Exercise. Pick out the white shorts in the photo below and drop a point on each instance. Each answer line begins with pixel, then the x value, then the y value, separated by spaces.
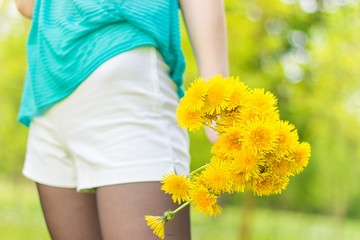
pixel 117 127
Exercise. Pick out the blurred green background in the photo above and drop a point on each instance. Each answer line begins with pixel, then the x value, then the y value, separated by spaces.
pixel 307 52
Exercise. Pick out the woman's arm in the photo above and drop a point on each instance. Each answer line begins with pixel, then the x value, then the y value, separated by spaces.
pixel 25 7
pixel 206 26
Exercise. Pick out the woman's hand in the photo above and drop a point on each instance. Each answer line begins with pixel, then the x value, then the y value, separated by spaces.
pixel 211 134
pixel 206 26
pixel 25 7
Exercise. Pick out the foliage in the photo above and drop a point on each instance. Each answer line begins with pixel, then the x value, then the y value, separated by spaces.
pixel 307 53
pixel 12 71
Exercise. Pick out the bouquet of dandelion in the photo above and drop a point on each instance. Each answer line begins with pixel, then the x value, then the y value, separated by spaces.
pixel 255 150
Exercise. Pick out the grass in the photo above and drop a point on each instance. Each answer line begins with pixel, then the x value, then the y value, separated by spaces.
pixel 20 212
pixel 274 225
pixel 21 218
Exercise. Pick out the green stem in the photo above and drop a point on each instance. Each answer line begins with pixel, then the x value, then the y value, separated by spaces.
pixel 181 207
pixel 197 170
pixel 206 124
pixel 216 130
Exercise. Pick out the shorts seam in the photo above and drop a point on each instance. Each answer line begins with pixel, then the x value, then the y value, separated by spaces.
pixel 54 182
pixel 164 119
pixel 154 71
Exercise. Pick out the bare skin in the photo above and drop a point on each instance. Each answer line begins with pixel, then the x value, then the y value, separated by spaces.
pixel 25 7
pixel 206 26
pixel 117 212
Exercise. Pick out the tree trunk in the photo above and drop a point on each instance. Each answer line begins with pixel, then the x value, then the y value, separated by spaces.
pixel 246 224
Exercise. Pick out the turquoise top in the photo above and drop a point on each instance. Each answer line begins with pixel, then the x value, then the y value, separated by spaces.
pixel 69 39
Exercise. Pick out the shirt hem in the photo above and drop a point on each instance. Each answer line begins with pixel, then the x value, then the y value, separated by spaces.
pixel 26 118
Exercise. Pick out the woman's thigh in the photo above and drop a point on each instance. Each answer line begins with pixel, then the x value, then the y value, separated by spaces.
pixel 122 209
pixel 69 214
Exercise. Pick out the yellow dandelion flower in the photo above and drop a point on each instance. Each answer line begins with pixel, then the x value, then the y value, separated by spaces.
pixel 249 114
pixel 262 101
pixel 157 223
pixel 218 95
pixel 198 181
pixel 215 160
pixel 204 201
pixel 240 93
pixel 228 119
pixel 287 138
pixel 190 120
pixel 231 140
pixel 246 162
pixel 218 151
pixel 281 167
pixel 176 185
pixel 269 158
pixel 209 118
pixel 216 210
pixel 264 184
pixel 259 136
pixel 239 182
pixel 195 95
pixel 301 157
pixel 280 184
pixel 217 177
